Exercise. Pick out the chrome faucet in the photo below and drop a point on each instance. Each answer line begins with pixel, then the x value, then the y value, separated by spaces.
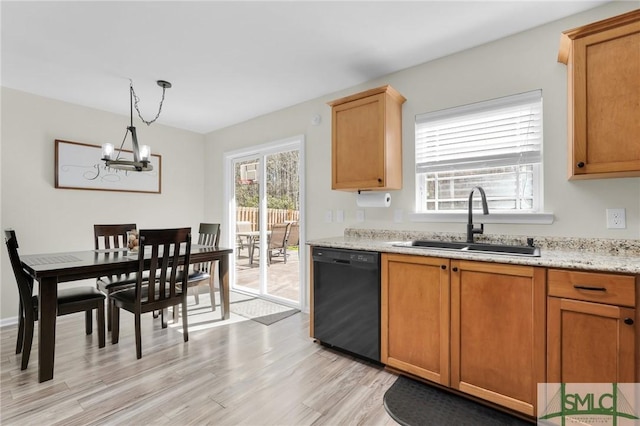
pixel 485 210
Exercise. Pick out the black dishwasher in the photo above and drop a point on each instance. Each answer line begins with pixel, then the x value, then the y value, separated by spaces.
pixel 346 300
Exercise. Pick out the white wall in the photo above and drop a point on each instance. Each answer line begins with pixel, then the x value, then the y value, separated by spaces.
pixel 515 64
pixel 47 219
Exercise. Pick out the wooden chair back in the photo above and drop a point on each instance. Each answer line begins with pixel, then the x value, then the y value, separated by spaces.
pixel 164 247
pixel 24 280
pixel 111 236
pixel 209 235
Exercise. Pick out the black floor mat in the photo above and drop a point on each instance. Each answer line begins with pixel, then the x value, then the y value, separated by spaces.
pixel 412 403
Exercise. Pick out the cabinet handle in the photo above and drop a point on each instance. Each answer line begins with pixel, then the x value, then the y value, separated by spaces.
pixel 379 180
pixel 455 269
pixel 443 266
pixel 580 164
pixel 628 321
pixel 586 287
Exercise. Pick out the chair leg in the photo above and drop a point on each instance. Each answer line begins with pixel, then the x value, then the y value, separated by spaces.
pixel 139 335
pixel 176 314
pixel 284 251
pixel 100 321
pixel 88 321
pixel 195 292
pixel 28 340
pixel 164 313
pixel 212 294
pixel 115 324
pixel 109 309
pixel 20 339
pixel 185 324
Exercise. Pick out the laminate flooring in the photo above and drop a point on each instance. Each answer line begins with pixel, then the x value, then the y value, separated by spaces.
pixel 236 372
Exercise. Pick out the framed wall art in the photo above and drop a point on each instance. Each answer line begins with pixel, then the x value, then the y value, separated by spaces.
pixel 79 166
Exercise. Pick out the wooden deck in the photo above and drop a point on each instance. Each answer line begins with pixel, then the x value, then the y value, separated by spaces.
pixel 283 278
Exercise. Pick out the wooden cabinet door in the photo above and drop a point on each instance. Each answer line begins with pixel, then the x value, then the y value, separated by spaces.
pixel 590 342
pixel 604 98
pixel 357 149
pixel 366 140
pixel 415 315
pixel 498 332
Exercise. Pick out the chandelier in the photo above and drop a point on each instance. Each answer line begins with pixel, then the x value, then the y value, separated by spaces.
pixel 141 153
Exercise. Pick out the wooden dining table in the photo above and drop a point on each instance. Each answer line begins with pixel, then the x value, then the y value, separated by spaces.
pixel 49 269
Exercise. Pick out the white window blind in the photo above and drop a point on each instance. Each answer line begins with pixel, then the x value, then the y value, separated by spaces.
pixel 494 133
pixel 495 144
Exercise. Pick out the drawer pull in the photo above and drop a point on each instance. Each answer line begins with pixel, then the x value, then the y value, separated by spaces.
pixel 586 287
pixel 628 321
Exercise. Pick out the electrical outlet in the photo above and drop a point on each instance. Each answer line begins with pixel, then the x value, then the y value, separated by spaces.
pixel 616 219
pixel 328 216
pixel 359 215
pixel 339 216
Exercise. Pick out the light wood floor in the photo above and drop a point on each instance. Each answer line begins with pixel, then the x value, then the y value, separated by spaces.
pixel 243 373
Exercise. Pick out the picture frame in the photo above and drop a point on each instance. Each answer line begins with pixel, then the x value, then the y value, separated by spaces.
pixel 79 166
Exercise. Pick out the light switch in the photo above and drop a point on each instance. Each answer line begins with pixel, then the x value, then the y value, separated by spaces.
pixel 328 216
pixel 339 216
pixel 359 215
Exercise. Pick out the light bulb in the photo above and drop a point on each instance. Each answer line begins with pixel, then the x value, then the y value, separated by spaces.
pixel 145 153
pixel 107 151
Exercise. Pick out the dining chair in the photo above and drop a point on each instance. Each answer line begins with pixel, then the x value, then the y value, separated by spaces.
pixel 113 237
pixel 70 300
pixel 203 273
pixel 165 291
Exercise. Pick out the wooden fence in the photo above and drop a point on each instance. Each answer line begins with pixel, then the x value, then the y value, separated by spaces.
pixel 250 214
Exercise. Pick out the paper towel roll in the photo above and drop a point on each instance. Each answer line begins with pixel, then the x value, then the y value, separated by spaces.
pixel 373 199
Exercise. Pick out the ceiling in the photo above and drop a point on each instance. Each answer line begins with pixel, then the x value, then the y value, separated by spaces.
pixel 232 61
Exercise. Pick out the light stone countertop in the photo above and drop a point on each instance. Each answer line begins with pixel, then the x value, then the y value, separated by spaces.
pixel 606 255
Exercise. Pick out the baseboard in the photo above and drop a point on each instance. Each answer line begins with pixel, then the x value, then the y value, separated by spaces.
pixel 8 321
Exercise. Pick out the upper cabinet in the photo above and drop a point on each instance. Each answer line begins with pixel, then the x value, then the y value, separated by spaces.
pixel 603 64
pixel 366 140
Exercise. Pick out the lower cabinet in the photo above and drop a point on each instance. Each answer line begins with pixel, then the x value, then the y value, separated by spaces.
pixel 498 332
pixel 415 315
pixel 477 327
pixel 591 336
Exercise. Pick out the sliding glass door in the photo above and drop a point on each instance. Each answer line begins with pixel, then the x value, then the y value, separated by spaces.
pixel 265 220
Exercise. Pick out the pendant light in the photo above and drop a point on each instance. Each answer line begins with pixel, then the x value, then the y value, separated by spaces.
pixel 141 153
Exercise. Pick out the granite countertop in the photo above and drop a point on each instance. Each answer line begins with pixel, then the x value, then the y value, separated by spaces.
pixel 606 255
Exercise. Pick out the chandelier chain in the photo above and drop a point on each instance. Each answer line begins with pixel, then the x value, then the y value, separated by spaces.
pixel 136 100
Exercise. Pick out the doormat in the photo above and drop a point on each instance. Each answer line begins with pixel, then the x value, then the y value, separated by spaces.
pixel 413 403
pixel 262 311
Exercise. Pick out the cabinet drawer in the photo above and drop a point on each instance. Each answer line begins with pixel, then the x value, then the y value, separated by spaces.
pixel 593 287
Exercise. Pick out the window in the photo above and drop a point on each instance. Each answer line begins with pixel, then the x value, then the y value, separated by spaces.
pixel 494 144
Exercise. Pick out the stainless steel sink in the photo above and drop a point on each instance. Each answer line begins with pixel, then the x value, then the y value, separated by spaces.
pixel 504 249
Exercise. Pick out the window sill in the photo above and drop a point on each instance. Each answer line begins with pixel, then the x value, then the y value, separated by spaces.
pixel 462 217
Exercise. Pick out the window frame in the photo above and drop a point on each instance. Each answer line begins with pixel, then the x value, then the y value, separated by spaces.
pixel 536 215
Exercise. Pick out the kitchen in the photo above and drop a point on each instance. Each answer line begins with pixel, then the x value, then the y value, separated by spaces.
pixel 515 64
